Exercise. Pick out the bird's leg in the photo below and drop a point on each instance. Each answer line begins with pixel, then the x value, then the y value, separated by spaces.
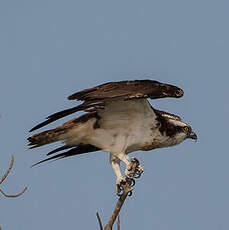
pixel 115 163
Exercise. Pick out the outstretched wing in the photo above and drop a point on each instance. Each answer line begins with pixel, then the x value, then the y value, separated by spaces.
pixel 128 90
pixel 97 97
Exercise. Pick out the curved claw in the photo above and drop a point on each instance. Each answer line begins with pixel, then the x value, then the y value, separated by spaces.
pixel 133 159
pixel 130 176
pixel 119 190
pixel 137 175
pixel 119 194
pixel 130 193
pixel 132 182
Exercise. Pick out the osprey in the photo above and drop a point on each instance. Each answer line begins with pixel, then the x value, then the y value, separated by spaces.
pixel 119 120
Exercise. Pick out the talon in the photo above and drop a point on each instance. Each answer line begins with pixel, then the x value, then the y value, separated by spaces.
pixel 140 168
pixel 130 193
pixel 132 183
pixel 139 171
pixel 137 175
pixel 119 186
pixel 120 194
pixel 133 159
pixel 119 190
pixel 129 168
pixel 128 173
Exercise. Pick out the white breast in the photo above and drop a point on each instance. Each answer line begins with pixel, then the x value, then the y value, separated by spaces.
pixel 124 125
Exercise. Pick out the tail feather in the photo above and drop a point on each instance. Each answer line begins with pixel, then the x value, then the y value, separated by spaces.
pixel 59 149
pixel 57 116
pixel 61 132
pixel 46 137
pixel 74 151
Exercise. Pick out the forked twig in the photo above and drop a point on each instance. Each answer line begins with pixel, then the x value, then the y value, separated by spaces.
pixel 5 176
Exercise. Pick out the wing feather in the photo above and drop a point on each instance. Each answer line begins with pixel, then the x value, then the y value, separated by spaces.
pixel 97 97
pixel 128 90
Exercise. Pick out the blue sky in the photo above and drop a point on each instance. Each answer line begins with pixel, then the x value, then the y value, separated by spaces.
pixel 51 49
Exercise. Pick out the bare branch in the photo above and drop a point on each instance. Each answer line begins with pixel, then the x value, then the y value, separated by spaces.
pixel 126 190
pixel 99 220
pixel 135 172
pixel 5 176
pixel 8 170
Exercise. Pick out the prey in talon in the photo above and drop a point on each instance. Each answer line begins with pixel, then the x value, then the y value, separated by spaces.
pixel 118 119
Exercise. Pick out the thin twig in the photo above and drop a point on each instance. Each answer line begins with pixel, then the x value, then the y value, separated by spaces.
pixel 126 190
pixel 5 176
pixel 8 170
pixel 99 220
pixel 118 222
pixel 14 195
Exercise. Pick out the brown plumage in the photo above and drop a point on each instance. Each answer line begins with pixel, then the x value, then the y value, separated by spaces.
pixel 60 132
pixel 128 90
pixel 95 98
pixel 44 138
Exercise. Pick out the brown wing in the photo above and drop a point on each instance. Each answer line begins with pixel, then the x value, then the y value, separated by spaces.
pixel 95 98
pixel 128 90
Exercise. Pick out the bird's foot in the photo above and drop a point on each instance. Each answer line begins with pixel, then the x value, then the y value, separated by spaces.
pixel 139 169
pixel 119 185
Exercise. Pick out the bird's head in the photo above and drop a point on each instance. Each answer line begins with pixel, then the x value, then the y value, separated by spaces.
pixel 174 128
pixel 180 131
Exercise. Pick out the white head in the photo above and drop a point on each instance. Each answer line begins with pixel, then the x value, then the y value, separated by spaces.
pixel 174 128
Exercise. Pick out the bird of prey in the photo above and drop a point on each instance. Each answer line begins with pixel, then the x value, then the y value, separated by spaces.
pixel 119 120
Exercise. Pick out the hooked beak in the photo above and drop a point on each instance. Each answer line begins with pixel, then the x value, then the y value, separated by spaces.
pixel 193 136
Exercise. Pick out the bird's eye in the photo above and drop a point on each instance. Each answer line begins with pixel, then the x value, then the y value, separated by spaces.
pixel 187 129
